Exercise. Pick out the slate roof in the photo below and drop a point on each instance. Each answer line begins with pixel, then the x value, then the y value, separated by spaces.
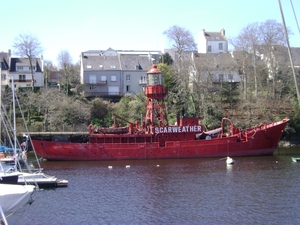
pixel 214 36
pixel 135 62
pixel 219 60
pixel 4 61
pixel 25 62
pixel 101 62
pixel 119 62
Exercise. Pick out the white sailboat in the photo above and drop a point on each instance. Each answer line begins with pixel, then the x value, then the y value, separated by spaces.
pixel 14 199
pixel 32 177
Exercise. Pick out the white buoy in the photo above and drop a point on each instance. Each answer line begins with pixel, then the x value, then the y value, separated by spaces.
pixel 110 167
pixel 127 166
pixel 157 165
pixel 229 160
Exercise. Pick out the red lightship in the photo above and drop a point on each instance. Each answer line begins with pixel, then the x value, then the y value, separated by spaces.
pixel 155 139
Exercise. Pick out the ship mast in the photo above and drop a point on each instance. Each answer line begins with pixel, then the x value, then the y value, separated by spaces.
pixel 155 93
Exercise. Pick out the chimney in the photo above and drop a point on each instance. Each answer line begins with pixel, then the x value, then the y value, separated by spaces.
pixel 223 32
pixel 203 32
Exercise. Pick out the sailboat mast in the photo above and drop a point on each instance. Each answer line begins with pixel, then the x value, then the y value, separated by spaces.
pixel 290 55
pixel 14 116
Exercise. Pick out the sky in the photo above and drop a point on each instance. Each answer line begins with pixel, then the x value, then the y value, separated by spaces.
pixel 77 26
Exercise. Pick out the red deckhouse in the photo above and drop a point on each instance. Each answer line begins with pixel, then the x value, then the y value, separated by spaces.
pixel 155 138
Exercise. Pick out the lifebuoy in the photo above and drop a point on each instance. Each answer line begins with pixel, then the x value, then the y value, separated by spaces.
pixel 208 137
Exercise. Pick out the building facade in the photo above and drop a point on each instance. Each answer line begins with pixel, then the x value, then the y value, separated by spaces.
pixel 19 70
pixel 212 42
pixel 110 74
pixel 212 60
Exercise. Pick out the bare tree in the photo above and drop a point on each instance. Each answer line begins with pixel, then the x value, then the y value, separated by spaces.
pixel 65 64
pixel 272 35
pixel 26 45
pixel 260 39
pixel 260 54
pixel 48 68
pixel 249 40
pixel 181 39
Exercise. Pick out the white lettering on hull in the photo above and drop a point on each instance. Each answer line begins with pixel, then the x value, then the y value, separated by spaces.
pixel 178 129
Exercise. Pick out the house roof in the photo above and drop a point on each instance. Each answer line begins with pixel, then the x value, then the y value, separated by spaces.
pixel 25 62
pixel 98 62
pixel 110 52
pixel 215 36
pixel 135 62
pixel 220 60
pixel 119 62
pixel 4 61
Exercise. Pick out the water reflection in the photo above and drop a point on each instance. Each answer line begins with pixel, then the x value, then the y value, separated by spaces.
pixel 254 190
pixel 229 167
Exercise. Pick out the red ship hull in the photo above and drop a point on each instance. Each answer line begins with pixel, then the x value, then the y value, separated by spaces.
pixel 257 141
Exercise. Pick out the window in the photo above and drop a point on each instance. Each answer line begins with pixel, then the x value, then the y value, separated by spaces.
pixel 89 66
pixel 127 88
pixel 22 78
pixel 92 87
pixel 221 77
pixel 103 78
pixel 113 78
pixel 19 68
pixel 93 79
pixel 209 48
pixel 154 79
pixel 220 46
pixel 127 77
pixel 113 67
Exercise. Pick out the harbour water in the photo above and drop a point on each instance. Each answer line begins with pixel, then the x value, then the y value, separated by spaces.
pixel 254 190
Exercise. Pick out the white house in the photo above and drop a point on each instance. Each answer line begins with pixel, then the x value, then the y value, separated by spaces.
pixel 212 42
pixel 19 70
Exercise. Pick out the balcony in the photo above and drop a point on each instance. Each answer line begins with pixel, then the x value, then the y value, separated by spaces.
pixel 143 82
pixel 101 94
pixel 21 81
pixel 95 84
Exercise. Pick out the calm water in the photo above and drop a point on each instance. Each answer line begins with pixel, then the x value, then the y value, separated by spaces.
pixel 255 190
